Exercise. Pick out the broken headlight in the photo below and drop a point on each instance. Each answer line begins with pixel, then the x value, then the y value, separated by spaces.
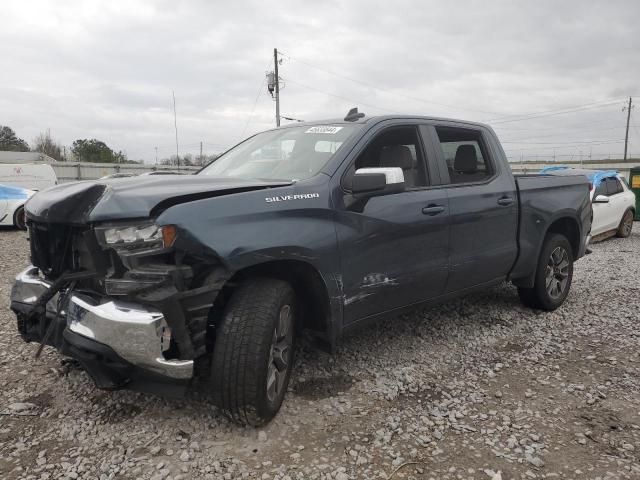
pixel 147 235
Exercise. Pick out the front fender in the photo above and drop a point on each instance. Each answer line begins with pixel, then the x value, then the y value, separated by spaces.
pixel 244 230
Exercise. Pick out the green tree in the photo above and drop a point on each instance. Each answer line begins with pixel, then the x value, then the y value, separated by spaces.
pixel 43 143
pixel 10 142
pixel 96 151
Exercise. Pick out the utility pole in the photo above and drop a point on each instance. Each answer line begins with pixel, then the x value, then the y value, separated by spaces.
pixel 626 135
pixel 175 124
pixel 277 89
pixel 201 162
pixel 156 155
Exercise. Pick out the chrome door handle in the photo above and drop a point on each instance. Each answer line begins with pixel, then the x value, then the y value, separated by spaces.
pixel 505 201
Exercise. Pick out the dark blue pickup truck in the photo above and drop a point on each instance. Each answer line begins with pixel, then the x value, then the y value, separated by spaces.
pixel 169 283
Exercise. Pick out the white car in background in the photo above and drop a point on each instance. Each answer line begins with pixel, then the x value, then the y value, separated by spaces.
pixel 12 200
pixel 32 176
pixel 613 202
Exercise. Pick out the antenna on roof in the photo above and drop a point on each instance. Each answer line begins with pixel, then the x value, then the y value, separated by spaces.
pixel 353 115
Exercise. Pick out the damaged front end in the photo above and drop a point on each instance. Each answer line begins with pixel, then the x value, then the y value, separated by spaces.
pixel 130 301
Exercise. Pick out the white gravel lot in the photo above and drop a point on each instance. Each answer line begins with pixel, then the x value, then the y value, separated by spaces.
pixel 481 388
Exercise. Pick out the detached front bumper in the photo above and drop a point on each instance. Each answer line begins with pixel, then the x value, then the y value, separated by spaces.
pixel 120 343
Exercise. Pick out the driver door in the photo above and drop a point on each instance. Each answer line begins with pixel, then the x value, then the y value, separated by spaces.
pixel 394 247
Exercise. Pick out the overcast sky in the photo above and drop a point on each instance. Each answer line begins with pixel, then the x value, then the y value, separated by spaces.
pixel 106 69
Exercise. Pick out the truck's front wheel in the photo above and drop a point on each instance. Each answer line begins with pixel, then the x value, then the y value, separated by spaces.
pixel 253 351
pixel 553 275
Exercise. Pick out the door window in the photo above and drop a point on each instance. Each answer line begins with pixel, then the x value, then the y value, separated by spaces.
pixel 395 147
pixel 613 186
pixel 609 186
pixel 465 155
pixel 601 189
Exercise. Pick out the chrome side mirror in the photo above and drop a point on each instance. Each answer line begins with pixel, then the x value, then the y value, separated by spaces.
pixel 378 181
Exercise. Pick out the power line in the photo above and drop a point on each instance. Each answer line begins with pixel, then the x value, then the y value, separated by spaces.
pixel 255 102
pixel 551 113
pixel 564 134
pixel 385 90
pixel 635 129
pixel 502 119
pixel 577 142
pixel 509 128
pixel 583 106
pixel 356 102
pixel 544 155
pixel 565 146
pixel 497 120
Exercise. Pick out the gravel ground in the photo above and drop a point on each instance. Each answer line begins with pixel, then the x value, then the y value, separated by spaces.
pixel 481 388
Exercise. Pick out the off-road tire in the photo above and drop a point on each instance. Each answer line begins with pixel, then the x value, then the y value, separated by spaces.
pixel 243 353
pixel 542 295
pixel 626 224
pixel 19 219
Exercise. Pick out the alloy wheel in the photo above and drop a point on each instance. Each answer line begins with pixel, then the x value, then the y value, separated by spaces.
pixel 627 224
pixel 280 354
pixel 557 272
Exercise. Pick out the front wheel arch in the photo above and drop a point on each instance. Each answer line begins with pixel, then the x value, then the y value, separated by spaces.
pixel 318 314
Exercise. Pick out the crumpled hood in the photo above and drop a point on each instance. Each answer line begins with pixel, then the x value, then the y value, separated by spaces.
pixel 132 197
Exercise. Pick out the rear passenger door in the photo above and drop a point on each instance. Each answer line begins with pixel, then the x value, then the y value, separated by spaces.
pixel 616 201
pixel 483 206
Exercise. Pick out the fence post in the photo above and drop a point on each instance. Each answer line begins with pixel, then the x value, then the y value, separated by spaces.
pixel 79 172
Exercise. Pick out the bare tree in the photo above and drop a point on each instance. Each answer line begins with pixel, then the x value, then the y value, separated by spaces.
pixel 43 143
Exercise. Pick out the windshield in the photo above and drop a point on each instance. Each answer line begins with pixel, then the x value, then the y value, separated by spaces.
pixel 293 153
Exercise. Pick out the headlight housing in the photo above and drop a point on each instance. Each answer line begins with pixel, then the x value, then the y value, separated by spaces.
pixel 147 235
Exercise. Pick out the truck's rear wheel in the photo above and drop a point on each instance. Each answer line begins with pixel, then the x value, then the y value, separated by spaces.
pixel 626 224
pixel 253 351
pixel 554 273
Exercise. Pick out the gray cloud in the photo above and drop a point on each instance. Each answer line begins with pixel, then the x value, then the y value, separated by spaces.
pixel 107 69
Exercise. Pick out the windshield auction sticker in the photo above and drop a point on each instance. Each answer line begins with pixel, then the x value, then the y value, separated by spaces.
pixel 323 129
